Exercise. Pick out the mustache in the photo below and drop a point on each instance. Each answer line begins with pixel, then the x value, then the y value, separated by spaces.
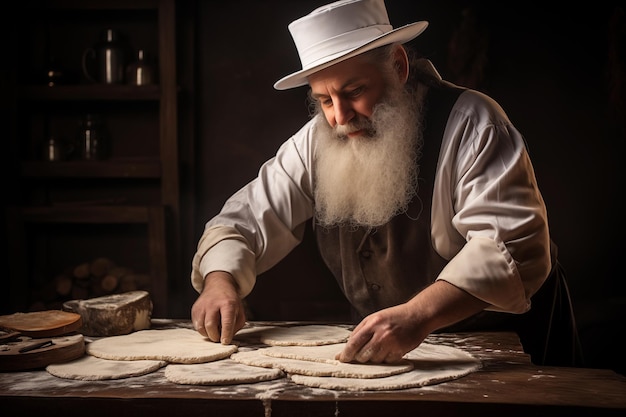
pixel 361 123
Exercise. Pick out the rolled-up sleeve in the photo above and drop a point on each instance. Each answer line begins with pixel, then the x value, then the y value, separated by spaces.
pixel 489 218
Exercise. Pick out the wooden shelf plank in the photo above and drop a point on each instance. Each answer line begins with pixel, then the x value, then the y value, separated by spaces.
pixel 87 214
pixel 94 4
pixel 87 92
pixel 115 168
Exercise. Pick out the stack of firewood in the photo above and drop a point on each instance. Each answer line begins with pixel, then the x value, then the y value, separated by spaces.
pixel 96 278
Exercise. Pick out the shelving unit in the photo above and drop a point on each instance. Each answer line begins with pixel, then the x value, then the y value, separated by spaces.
pixel 125 207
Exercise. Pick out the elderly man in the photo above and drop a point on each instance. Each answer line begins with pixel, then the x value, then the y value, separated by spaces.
pixel 422 196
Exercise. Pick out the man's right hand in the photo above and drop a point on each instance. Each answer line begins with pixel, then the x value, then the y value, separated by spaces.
pixel 218 313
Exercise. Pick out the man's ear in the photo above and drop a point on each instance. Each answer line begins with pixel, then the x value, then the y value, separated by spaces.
pixel 401 63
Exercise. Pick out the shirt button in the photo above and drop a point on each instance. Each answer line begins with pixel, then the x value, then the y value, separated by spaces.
pixel 366 254
pixel 375 287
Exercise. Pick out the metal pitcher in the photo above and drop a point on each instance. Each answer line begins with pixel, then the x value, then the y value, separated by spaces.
pixel 105 61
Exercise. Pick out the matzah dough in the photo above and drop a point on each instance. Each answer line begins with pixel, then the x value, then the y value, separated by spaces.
pixel 90 368
pixel 305 367
pixel 223 372
pixel 305 335
pixel 171 345
pixel 251 334
pixel 432 364
pixel 322 353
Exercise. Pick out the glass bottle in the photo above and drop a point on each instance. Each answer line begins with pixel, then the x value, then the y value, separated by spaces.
pixel 93 140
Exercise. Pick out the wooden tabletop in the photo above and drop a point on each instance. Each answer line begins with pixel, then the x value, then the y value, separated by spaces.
pixel 507 382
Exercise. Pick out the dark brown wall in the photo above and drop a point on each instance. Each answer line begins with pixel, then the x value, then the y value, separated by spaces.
pixel 550 71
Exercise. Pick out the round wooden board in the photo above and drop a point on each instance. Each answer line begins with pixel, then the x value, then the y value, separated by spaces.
pixel 42 323
pixel 62 349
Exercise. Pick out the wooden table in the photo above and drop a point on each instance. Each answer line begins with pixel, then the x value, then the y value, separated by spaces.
pixel 507 383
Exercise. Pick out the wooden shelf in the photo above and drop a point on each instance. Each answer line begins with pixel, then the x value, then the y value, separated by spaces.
pixel 119 205
pixel 95 92
pixel 104 214
pixel 93 4
pixel 120 168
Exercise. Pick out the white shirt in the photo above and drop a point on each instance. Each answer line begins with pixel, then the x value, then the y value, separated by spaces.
pixel 488 216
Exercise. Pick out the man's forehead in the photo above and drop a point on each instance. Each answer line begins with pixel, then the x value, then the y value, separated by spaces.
pixel 341 75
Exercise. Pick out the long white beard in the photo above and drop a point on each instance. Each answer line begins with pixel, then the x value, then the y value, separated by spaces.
pixel 366 180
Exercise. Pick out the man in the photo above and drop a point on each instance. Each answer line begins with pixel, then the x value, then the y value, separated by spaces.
pixel 422 196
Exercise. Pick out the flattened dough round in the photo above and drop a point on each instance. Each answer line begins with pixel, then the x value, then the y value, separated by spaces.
pixel 90 368
pixel 223 372
pixel 171 345
pixel 305 367
pixel 305 335
pixel 252 334
pixel 433 364
pixel 322 353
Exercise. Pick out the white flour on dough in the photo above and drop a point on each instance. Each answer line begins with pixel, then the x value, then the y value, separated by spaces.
pixel 90 368
pixel 322 353
pixel 306 367
pixel 433 364
pixel 223 372
pixel 252 334
pixel 305 335
pixel 171 345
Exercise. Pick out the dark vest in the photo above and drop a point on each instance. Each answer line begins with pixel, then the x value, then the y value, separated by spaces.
pixel 388 265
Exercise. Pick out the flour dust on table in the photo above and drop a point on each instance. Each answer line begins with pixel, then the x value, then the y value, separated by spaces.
pixel 222 372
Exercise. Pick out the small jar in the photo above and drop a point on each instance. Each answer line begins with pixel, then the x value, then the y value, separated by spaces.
pixel 140 72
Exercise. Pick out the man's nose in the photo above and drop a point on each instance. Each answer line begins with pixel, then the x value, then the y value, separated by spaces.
pixel 343 112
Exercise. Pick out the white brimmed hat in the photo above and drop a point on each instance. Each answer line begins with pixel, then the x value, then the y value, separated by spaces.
pixel 342 30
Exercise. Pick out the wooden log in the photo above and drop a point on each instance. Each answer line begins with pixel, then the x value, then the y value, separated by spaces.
pixel 63 285
pixel 109 283
pixel 99 267
pixel 82 271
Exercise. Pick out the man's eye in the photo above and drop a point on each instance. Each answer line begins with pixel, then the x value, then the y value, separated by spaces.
pixel 356 92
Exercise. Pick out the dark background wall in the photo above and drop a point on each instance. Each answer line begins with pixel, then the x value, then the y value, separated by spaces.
pixel 558 72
